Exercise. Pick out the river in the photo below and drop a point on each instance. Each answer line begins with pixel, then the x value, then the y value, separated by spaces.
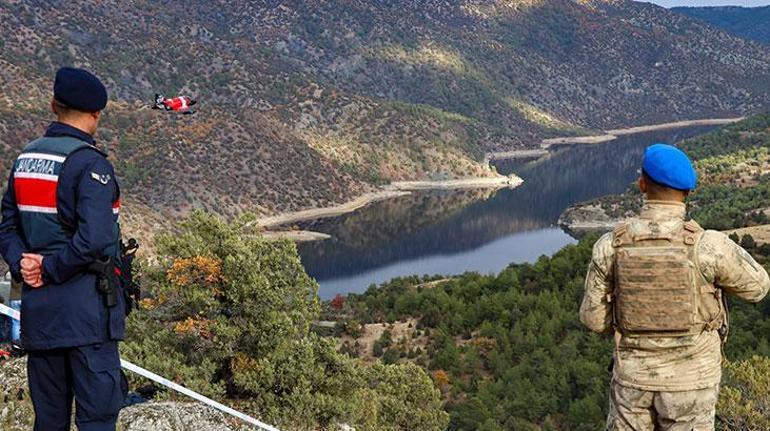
pixel 451 232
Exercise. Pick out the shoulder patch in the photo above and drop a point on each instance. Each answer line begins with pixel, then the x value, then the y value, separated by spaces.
pixel 743 254
pixel 102 178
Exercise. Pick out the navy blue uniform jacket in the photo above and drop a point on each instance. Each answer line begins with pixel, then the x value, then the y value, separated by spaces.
pixel 68 311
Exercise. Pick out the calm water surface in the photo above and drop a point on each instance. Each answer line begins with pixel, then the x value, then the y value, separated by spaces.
pixel 451 232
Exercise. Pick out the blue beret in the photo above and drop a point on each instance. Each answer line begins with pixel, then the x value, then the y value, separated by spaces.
pixel 669 166
pixel 79 89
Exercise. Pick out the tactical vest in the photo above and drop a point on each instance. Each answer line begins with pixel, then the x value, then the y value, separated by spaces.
pixel 35 184
pixel 659 291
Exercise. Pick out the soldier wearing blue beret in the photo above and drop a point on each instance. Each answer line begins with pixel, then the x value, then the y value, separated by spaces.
pixel 668 166
pixel 659 283
pixel 60 235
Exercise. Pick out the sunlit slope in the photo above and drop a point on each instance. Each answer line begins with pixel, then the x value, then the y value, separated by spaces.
pixel 305 104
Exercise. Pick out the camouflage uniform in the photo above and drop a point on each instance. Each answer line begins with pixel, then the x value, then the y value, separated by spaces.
pixel 669 383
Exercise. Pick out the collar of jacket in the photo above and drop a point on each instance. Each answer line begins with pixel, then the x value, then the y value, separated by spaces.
pixel 663 210
pixel 57 129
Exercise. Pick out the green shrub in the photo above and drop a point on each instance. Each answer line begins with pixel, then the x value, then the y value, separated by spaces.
pixel 744 402
pixel 228 314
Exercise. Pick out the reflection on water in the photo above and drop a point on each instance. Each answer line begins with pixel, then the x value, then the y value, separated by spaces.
pixel 450 232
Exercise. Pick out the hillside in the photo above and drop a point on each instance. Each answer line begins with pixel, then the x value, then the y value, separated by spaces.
pixel 304 104
pixel 228 314
pixel 733 165
pixel 509 352
pixel 748 23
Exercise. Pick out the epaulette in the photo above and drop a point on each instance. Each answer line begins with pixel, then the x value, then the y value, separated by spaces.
pixel 618 233
pixel 692 226
pixel 692 230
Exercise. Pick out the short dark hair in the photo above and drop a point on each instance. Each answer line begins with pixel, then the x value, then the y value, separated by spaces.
pixel 656 188
pixel 65 109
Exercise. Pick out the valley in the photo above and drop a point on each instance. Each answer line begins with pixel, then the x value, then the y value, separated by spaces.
pixel 380 215
pixel 305 106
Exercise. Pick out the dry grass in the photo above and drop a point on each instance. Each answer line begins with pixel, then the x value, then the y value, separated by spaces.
pixel 761 233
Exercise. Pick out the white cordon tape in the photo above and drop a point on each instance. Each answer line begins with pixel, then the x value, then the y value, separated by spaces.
pixel 10 312
pixel 181 389
pixel 13 314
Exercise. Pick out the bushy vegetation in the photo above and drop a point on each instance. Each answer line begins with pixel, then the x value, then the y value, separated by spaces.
pixel 726 207
pixel 744 403
pixel 512 354
pixel 746 134
pixel 508 350
pixel 510 347
pixel 229 314
pixel 733 165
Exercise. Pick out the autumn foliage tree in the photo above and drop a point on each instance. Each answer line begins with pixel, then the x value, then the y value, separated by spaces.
pixel 338 302
pixel 229 314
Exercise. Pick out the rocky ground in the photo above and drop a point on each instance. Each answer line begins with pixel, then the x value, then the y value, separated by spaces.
pixel 16 412
pixel 580 220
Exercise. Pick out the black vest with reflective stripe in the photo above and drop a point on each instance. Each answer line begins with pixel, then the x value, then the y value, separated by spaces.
pixel 35 183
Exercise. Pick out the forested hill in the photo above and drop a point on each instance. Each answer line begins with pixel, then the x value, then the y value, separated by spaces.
pixel 509 353
pixel 748 23
pixel 508 350
pixel 306 103
pixel 733 165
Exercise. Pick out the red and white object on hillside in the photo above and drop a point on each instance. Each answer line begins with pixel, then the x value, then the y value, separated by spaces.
pixel 176 104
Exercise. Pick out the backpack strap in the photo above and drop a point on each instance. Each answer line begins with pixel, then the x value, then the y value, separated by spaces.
pixel 721 322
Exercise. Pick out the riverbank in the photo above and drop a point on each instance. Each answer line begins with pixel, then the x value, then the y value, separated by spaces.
pixel 332 211
pixel 570 140
pixel 582 219
pixel 295 235
pixel 609 135
pixel 401 188
pixel 500 181
pixel 393 190
pixel 675 125
pixel 515 154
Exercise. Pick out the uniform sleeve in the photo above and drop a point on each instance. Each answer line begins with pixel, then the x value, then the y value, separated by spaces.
pixel 12 245
pixel 595 310
pixel 731 267
pixel 94 224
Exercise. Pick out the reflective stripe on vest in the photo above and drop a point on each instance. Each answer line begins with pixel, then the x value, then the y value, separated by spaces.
pixel 35 183
pixel 35 179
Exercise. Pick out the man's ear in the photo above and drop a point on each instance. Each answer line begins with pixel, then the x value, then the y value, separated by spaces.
pixel 642 184
pixel 96 115
pixel 53 107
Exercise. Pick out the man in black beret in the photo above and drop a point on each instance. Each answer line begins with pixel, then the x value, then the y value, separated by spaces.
pixel 59 235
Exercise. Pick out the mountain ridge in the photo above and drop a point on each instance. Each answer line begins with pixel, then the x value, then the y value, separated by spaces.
pixel 304 105
pixel 751 23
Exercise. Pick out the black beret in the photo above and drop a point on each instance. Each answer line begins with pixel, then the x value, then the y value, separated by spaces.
pixel 79 89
